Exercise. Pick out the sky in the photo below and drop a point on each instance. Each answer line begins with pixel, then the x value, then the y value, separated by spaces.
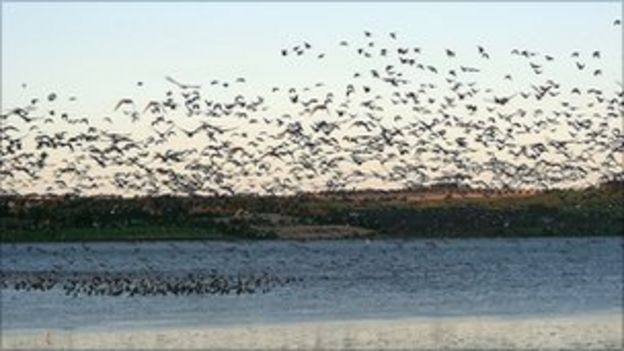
pixel 98 51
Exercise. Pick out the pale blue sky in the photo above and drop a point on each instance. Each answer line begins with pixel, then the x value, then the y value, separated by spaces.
pixel 99 50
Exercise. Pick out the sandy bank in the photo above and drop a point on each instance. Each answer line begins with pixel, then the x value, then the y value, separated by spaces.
pixel 307 232
pixel 578 332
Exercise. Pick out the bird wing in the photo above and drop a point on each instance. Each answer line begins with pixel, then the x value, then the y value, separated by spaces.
pixel 123 102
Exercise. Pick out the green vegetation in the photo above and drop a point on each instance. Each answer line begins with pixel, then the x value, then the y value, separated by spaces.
pixel 133 232
pixel 114 218
pixel 597 211
pixel 423 213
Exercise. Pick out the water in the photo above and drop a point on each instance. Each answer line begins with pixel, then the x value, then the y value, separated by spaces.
pixel 340 280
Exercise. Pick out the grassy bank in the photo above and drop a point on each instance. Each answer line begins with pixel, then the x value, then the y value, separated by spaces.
pixel 596 211
pixel 133 233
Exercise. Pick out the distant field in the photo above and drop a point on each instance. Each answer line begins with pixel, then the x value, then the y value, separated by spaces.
pixel 433 213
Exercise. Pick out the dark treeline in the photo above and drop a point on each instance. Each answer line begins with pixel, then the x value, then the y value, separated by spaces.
pixel 592 211
pixel 477 221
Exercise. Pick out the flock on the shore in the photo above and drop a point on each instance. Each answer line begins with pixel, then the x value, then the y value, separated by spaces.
pixel 148 283
pixel 408 120
pixel 79 271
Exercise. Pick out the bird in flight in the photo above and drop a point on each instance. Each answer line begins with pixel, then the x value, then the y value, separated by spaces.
pixel 122 102
pixel 181 85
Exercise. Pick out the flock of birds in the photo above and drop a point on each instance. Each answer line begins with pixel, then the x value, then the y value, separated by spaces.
pixel 405 121
pixel 150 283
pixel 83 270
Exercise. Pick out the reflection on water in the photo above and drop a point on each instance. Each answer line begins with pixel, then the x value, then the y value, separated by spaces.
pixel 335 280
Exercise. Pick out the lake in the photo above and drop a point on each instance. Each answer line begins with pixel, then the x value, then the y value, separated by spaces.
pixel 335 280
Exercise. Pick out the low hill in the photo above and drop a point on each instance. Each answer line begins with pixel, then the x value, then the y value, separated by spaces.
pixel 442 211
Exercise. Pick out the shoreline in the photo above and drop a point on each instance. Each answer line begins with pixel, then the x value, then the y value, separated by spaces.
pixel 371 238
pixel 400 214
pixel 584 331
pixel 322 236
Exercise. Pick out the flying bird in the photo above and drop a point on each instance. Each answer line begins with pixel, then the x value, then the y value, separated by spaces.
pixel 181 85
pixel 124 102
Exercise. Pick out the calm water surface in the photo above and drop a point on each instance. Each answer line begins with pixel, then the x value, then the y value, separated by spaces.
pixel 340 280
